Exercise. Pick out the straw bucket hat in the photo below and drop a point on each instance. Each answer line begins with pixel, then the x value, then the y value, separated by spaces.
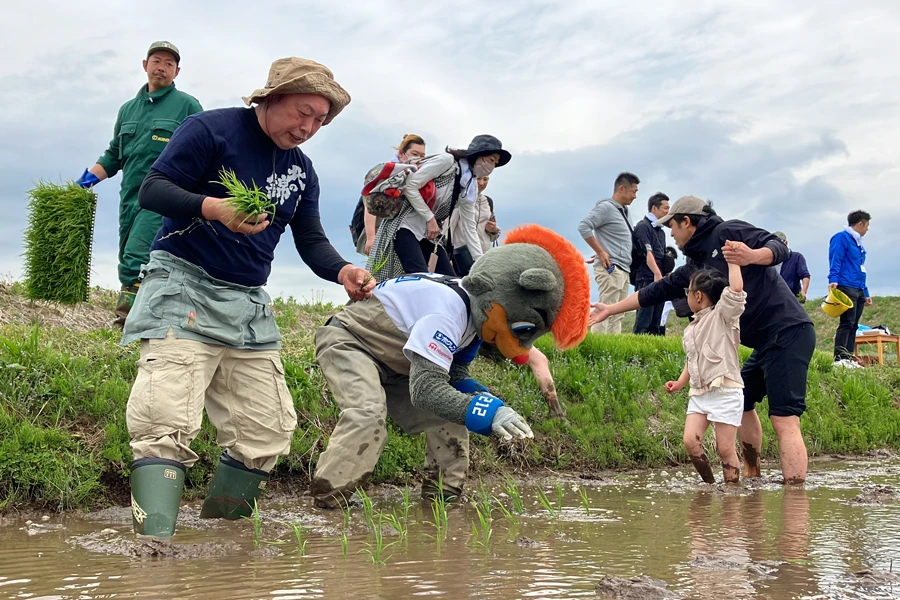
pixel 302 76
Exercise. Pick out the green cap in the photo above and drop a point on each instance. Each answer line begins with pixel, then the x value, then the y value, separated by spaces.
pixel 780 235
pixel 167 46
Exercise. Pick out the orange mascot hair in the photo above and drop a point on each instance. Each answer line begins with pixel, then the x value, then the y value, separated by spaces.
pixel 571 323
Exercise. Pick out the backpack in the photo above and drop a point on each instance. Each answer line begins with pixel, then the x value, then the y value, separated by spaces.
pixel 669 257
pixel 357 222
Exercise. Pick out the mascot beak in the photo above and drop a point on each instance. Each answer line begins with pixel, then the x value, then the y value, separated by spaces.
pixel 521 359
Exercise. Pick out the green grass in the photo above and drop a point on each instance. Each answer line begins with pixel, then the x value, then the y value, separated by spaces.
pixel 64 440
pixel 884 311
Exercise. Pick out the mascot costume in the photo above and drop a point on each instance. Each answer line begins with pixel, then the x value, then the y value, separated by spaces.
pixel 405 352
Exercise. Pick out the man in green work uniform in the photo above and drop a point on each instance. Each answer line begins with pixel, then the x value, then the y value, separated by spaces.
pixel 143 128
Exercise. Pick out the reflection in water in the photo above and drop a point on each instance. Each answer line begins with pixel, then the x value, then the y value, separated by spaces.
pixel 706 542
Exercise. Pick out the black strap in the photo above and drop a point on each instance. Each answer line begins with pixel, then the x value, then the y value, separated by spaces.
pixel 457 188
pixel 624 216
pixel 453 284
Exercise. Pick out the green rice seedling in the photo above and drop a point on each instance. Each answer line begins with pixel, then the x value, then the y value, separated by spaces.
pixel 483 534
pixel 252 202
pixel 515 496
pixel 394 521
pixel 585 500
pixel 508 514
pixel 58 242
pixel 406 504
pixel 368 509
pixel 344 543
pixel 378 267
pixel 257 523
pixel 376 550
pixel 297 528
pixel 483 498
pixel 546 503
pixel 345 512
pixel 439 509
pixel 560 493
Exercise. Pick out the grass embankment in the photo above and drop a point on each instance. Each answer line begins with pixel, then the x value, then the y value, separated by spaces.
pixel 64 442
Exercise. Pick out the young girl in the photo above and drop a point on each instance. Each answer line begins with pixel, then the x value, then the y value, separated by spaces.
pixel 713 368
pixel 404 243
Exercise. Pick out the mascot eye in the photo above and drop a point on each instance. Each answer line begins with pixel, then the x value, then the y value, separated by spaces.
pixel 523 327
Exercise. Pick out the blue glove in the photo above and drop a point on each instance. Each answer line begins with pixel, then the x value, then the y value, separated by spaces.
pixel 469 386
pixel 480 413
pixel 88 180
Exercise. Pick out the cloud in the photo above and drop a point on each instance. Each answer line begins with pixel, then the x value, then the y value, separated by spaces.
pixel 740 103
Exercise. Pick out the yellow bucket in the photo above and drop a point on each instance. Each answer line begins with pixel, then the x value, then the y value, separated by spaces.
pixel 837 303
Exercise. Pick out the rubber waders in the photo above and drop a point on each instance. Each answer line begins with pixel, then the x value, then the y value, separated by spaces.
pixel 156 486
pixel 233 490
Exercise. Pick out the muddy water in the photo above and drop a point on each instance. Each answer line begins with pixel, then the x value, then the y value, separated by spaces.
pixel 834 539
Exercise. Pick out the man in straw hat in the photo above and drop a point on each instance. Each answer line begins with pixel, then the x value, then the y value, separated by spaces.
pixel 144 126
pixel 773 324
pixel 208 336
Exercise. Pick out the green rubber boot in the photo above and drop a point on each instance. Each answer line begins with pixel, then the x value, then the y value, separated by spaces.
pixel 156 486
pixel 233 490
pixel 123 305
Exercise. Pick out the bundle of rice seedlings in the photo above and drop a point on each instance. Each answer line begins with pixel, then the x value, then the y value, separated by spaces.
pixel 253 202
pixel 58 242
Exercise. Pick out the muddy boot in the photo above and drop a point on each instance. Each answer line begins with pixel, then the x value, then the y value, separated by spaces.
pixel 124 304
pixel 233 490
pixel 156 486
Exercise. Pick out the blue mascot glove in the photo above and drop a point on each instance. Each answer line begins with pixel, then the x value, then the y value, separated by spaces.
pixel 488 415
pixel 88 180
pixel 469 386
pixel 480 413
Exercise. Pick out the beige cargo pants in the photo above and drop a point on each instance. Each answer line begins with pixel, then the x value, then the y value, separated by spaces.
pixel 613 287
pixel 360 353
pixel 243 391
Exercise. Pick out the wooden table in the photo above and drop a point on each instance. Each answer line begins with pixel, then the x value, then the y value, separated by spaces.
pixel 880 339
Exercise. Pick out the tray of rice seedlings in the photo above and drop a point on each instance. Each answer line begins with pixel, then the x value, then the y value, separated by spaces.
pixel 58 242
pixel 252 202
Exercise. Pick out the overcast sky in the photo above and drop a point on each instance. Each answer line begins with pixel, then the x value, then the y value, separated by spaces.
pixel 779 113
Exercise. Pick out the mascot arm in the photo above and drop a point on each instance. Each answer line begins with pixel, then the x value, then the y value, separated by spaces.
pixel 481 413
pixel 430 389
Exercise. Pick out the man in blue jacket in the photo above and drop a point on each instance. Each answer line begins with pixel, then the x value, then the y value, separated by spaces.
pixel 847 273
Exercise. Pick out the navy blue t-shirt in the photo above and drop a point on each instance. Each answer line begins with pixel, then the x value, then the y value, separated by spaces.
pixel 232 138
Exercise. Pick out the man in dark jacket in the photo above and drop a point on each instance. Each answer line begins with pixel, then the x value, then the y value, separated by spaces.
pixel 794 270
pixel 652 239
pixel 774 324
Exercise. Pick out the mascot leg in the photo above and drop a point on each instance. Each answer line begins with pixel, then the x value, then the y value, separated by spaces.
pixel 446 456
pixel 360 434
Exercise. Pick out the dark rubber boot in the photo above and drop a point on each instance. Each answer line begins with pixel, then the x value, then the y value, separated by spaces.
pixel 156 486
pixel 124 304
pixel 233 490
